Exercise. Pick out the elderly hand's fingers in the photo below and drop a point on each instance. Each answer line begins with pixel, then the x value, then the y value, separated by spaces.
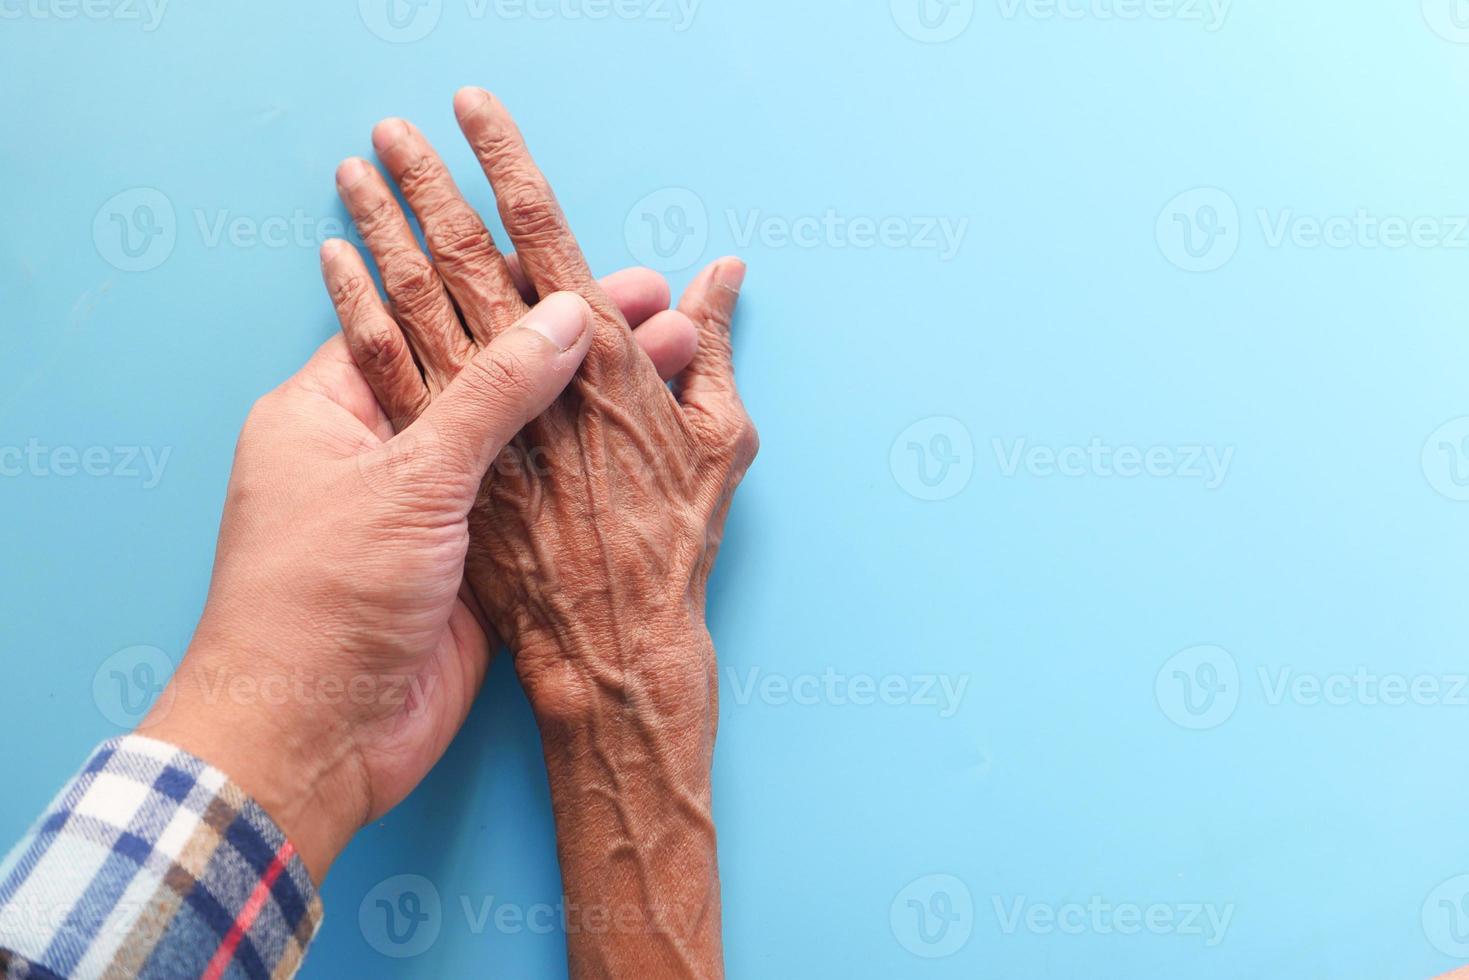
pixel 706 388
pixel 507 384
pixel 670 340
pixel 458 240
pixel 667 336
pixel 548 251
pixel 638 293
pixel 372 334
pixel 418 300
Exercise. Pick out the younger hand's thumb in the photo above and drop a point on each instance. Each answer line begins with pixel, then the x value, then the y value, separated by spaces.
pixel 508 383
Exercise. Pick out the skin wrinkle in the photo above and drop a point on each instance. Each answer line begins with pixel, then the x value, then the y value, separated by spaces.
pixel 594 569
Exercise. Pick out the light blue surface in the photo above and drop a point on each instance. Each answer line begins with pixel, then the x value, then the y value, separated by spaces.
pixel 1330 835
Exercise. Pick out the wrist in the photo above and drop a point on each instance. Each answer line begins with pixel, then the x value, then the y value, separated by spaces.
pixel 297 761
pixel 627 722
pixel 647 673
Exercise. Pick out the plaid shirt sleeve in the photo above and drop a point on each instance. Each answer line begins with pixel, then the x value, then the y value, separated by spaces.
pixel 150 863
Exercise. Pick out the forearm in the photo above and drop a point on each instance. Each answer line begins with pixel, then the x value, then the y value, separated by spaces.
pixel 629 766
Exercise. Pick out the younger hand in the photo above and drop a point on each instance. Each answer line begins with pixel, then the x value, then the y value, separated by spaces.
pixel 335 658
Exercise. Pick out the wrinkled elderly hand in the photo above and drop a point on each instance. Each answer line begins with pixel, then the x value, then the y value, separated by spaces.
pixel 592 545
pixel 335 660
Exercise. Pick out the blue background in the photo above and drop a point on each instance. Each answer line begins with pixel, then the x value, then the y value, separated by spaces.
pixel 1334 543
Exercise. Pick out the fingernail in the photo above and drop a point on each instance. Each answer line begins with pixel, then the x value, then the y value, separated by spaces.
pixel 330 248
pixel 351 171
pixel 730 274
pixel 387 133
pixel 468 99
pixel 561 318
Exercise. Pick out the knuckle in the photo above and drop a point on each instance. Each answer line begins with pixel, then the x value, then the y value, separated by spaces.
pixel 747 442
pixel 493 142
pixel 410 279
pixel 718 318
pixel 377 217
pixel 426 171
pixel 379 350
pixel 456 234
pixel 531 210
pixel 735 438
pixel 349 293
pixel 260 412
